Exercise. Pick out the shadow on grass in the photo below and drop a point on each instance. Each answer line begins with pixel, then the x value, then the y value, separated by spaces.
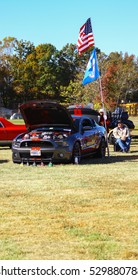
pixel 5 148
pixel 4 161
pixel 111 159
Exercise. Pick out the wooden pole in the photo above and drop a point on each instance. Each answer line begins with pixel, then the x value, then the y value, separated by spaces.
pixel 102 100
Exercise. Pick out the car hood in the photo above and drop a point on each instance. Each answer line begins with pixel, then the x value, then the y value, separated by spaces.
pixel 45 113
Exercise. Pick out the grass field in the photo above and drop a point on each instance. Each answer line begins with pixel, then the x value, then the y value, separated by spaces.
pixel 70 212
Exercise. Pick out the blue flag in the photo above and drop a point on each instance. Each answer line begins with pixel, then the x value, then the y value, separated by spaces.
pixel 92 71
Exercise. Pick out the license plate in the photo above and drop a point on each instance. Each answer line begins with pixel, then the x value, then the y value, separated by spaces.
pixel 35 151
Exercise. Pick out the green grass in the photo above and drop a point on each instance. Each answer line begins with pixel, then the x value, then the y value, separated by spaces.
pixel 70 212
pixel 86 211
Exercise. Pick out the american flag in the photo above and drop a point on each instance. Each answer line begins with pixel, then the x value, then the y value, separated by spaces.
pixel 86 38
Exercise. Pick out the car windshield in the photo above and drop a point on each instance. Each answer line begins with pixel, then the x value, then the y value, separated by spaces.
pixel 86 122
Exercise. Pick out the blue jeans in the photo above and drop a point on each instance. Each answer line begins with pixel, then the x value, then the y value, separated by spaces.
pixel 124 145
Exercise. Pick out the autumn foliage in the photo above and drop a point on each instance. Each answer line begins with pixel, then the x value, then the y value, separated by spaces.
pixel 42 72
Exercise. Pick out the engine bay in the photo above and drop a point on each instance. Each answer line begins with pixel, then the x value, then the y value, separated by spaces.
pixel 46 135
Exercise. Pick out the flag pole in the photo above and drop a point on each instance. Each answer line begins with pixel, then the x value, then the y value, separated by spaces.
pixel 86 40
pixel 102 101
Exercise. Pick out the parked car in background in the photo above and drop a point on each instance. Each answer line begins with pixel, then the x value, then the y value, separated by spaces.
pixel 16 116
pixel 8 131
pixel 56 136
pixel 84 110
pixel 5 112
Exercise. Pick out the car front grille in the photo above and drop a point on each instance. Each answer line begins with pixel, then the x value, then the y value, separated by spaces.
pixel 41 144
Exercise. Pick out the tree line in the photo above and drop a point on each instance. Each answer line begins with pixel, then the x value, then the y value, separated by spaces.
pixel 29 72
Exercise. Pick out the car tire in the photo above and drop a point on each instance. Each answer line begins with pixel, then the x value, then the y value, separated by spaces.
pixel 111 138
pixel 102 149
pixel 76 154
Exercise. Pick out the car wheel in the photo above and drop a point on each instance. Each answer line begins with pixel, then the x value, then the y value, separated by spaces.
pixel 102 149
pixel 76 155
pixel 111 138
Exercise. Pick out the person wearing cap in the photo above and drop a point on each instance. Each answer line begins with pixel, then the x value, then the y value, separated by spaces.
pixel 121 134
pixel 103 119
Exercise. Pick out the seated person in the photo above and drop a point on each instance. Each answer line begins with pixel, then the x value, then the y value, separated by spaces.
pixel 122 136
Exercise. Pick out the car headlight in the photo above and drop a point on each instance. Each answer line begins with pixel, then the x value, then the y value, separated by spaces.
pixel 62 143
pixel 65 144
pixel 16 144
pixel 61 140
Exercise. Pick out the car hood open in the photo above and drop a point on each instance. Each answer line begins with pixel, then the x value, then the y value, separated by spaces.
pixel 42 113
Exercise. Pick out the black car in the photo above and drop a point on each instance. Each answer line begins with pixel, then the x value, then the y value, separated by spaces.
pixel 84 110
pixel 55 136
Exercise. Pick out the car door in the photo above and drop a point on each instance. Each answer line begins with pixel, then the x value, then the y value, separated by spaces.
pixel 88 135
pixel 3 132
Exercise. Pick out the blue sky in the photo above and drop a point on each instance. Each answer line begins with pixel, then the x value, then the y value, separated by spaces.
pixel 114 23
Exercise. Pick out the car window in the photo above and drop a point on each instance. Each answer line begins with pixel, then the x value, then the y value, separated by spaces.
pixel 76 123
pixel 93 123
pixel 1 125
pixel 86 122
